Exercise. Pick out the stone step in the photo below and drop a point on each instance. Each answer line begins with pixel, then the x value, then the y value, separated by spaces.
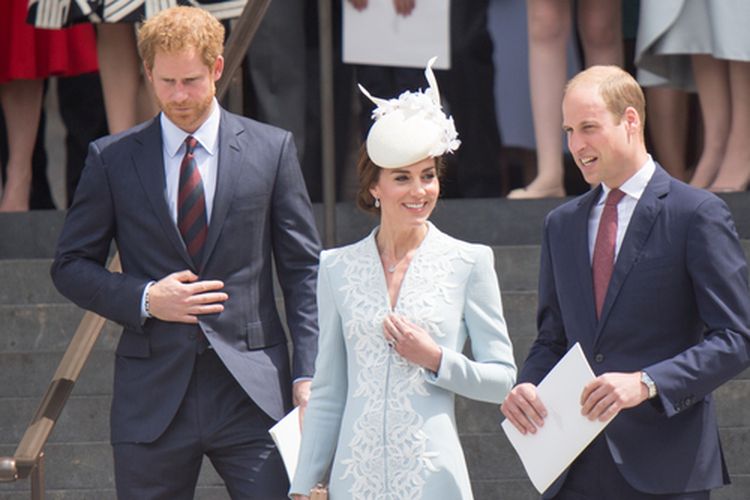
pixel 49 327
pixel 28 374
pixel 31 350
pixel 201 493
pixel 46 327
pixel 517 266
pixel 71 465
pixel 27 281
pixel 489 456
pixel 28 366
pixel 37 324
pixel 86 418
pixel 492 221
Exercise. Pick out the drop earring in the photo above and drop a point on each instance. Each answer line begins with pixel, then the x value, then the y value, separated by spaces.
pixel 377 202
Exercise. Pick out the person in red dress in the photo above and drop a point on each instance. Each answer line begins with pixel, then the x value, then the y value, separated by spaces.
pixel 31 55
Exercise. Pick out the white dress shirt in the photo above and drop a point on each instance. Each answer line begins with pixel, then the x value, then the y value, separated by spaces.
pixel 633 189
pixel 206 156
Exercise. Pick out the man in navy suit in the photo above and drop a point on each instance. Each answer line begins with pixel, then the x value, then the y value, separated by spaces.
pixel 664 318
pixel 199 203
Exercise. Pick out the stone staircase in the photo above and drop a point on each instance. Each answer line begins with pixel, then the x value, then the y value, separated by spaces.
pixel 36 324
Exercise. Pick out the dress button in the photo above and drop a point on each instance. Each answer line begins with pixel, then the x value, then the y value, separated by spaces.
pixel 599 358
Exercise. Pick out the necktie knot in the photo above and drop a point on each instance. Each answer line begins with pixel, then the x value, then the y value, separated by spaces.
pixel 614 197
pixel 190 143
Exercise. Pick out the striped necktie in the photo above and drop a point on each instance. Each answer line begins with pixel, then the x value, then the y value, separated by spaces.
pixel 603 262
pixel 191 204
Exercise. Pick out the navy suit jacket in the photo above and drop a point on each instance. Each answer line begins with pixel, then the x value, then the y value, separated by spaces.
pixel 261 213
pixel 677 307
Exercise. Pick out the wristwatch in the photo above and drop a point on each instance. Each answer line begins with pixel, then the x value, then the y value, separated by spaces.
pixel 649 383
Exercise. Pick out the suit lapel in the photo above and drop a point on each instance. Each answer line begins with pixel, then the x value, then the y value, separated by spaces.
pixel 149 164
pixel 228 165
pixel 641 223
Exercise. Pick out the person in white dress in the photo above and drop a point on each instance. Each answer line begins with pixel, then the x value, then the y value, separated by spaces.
pixel 704 45
pixel 395 310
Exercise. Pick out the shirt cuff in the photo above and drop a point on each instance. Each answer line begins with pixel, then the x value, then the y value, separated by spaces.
pixel 144 310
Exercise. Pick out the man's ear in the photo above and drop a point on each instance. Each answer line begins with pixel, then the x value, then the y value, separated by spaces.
pixel 148 73
pixel 632 120
pixel 218 68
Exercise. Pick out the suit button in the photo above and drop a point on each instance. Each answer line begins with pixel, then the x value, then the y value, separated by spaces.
pixel 688 401
pixel 599 358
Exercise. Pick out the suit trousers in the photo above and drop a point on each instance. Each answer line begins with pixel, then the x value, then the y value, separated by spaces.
pixel 217 419
pixel 595 476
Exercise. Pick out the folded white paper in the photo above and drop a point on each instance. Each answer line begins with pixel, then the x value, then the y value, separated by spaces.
pixel 566 433
pixel 287 436
pixel 378 35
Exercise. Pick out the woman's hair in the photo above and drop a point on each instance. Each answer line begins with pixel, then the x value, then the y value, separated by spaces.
pixel 369 174
pixel 181 28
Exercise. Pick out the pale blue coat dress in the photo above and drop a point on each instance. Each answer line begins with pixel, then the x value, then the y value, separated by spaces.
pixel 387 426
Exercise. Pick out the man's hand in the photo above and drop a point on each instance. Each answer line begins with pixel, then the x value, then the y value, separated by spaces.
pixel 607 394
pixel 412 342
pixel 524 409
pixel 181 298
pixel 300 497
pixel 300 397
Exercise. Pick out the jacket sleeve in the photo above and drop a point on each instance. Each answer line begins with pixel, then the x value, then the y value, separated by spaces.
pixel 322 420
pixel 296 247
pixel 551 343
pixel 79 271
pixel 492 373
pixel 718 270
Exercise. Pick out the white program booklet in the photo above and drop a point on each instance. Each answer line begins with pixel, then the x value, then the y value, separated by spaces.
pixel 288 436
pixel 379 36
pixel 566 433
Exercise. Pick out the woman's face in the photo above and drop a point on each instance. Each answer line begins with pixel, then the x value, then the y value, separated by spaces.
pixel 408 194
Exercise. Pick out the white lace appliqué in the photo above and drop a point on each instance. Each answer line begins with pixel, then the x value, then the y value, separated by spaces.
pixel 389 454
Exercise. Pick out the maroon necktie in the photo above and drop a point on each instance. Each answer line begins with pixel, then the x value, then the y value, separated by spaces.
pixel 191 204
pixel 604 248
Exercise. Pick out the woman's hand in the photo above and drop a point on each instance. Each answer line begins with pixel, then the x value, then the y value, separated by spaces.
pixel 412 342
pixel 404 7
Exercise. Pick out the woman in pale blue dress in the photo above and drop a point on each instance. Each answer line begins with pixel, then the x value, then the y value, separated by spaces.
pixel 395 310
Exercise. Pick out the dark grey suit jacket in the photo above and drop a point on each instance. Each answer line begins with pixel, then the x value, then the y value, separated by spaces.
pixel 261 213
pixel 677 306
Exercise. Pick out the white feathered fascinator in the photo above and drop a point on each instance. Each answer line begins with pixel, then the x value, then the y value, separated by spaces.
pixel 410 128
